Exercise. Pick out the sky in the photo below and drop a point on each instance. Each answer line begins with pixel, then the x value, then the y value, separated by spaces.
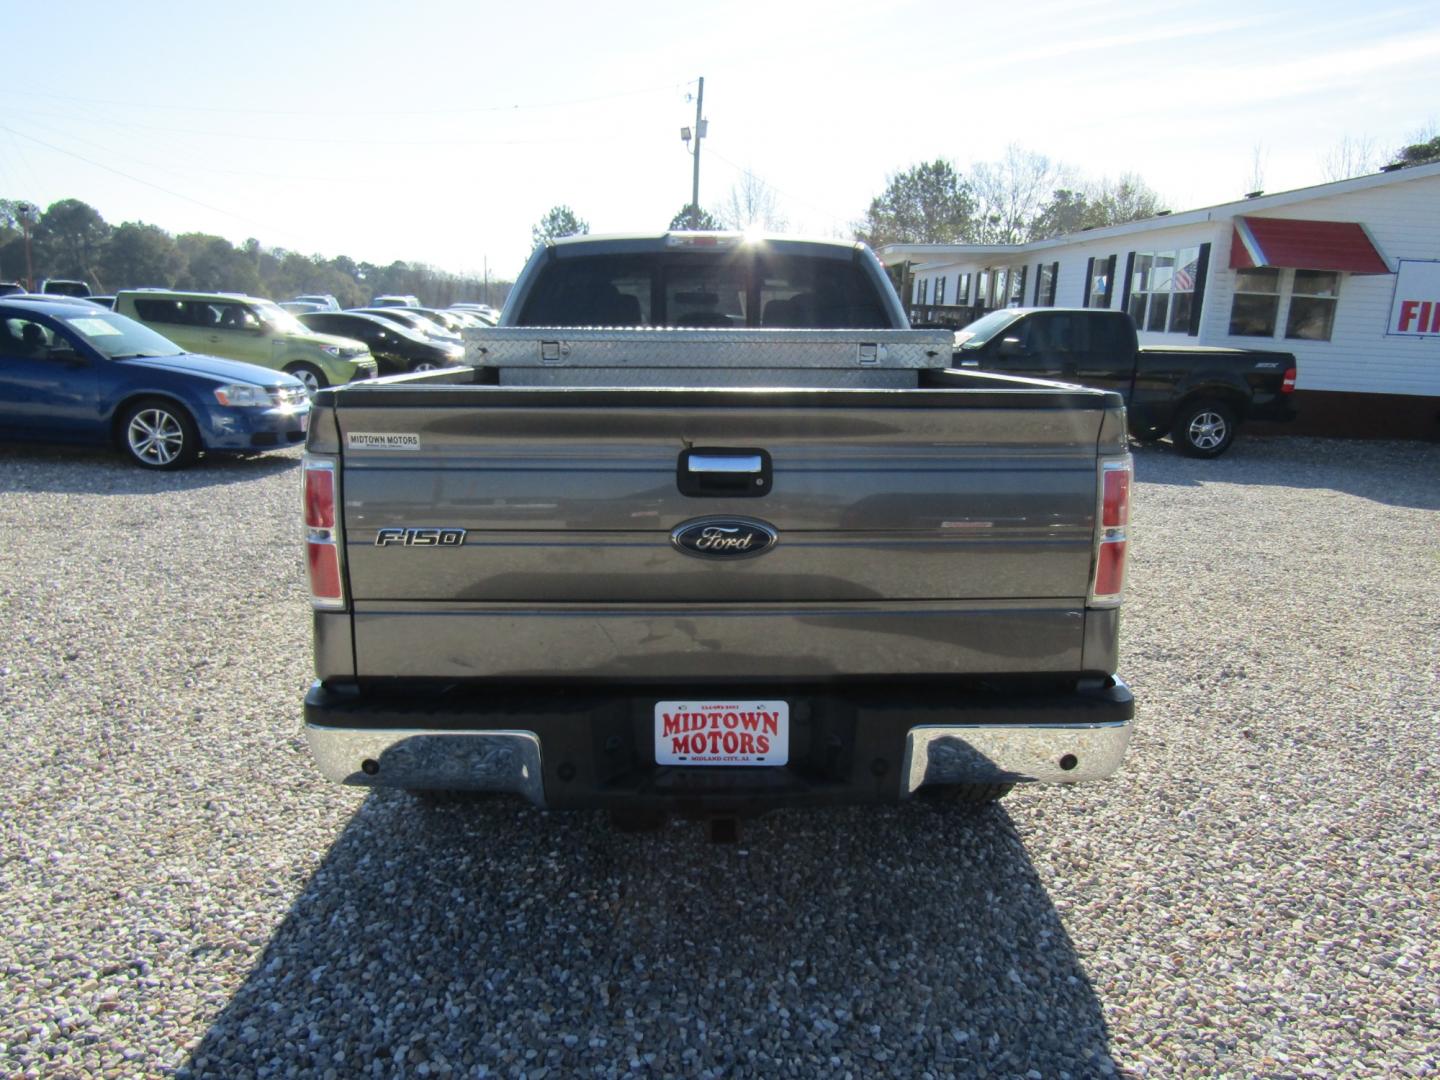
pixel 442 131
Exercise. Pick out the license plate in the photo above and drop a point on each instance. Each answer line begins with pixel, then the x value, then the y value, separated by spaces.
pixel 742 732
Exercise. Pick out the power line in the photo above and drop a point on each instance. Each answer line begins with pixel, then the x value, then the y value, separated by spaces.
pixel 128 176
pixel 19 156
pixel 202 168
pixel 463 111
pixel 310 139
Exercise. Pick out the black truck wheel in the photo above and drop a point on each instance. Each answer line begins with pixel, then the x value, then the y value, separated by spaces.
pixel 1204 429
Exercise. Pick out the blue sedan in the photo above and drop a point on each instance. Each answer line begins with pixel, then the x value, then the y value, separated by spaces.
pixel 78 373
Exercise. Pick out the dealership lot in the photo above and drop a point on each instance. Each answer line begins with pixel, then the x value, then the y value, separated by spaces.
pixel 1255 893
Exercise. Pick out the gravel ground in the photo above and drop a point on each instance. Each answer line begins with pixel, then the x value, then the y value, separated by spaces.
pixel 1255 894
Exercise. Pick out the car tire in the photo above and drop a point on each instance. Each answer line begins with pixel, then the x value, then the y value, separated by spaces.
pixel 158 434
pixel 313 378
pixel 1204 429
pixel 424 365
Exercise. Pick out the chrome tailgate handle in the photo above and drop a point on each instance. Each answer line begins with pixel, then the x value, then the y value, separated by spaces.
pixel 723 472
pixel 713 462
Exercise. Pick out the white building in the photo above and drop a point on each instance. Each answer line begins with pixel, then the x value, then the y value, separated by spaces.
pixel 1345 275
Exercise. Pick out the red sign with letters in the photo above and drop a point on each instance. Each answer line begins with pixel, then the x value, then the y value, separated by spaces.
pixel 1415 311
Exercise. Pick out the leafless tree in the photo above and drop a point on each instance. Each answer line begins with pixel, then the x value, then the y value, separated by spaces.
pixel 1258 155
pixel 1351 156
pixel 752 203
pixel 1010 194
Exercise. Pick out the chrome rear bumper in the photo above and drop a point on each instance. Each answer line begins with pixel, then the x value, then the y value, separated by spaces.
pixel 510 761
pixel 421 759
pixel 1012 753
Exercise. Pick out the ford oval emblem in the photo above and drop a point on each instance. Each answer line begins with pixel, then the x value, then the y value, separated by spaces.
pixel 724 538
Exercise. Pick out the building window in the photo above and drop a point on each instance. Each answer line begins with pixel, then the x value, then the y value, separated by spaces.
pixel 939 291
pixel 924 291
pixel 962 289
pixel 1257 302
pixel 1045 284
pixel 1001 281
pixel 1016 297
pixel 1102 280
pixel 982 289
pixel 1312 305
pixel 1162 290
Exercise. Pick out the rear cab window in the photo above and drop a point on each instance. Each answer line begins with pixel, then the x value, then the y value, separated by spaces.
pixel 720 289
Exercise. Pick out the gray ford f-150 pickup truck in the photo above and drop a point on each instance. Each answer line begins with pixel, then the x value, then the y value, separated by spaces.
pixel 706 529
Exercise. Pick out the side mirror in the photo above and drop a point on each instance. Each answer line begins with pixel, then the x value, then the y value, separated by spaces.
pixel 1010 346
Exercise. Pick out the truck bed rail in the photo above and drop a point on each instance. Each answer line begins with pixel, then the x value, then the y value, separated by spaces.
pixel 706 349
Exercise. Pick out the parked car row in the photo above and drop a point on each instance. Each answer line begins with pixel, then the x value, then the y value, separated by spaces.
pixel 167 374
pixel 71 371
pixel 250 329
pixel 395 346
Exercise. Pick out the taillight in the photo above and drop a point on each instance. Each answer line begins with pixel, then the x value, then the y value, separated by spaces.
pixel 322 534
pixel 1107 582
pixel 1288 386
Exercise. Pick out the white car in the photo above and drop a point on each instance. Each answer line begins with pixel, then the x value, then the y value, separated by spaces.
pixel 322 301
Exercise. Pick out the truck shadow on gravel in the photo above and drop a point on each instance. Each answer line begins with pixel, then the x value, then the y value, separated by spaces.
pixel 493 939
pixel 97 471
pixel 1403 474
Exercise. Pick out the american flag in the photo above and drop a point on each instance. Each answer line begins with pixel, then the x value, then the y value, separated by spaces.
pixel 1185 277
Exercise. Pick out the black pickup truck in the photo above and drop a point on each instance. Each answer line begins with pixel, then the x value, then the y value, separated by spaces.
pixel 1199 396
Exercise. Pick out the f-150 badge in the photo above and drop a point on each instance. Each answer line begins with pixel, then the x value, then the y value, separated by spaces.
pixel 420 537
pixel 724 538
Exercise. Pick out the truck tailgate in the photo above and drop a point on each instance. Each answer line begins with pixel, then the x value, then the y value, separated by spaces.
pixel 920 532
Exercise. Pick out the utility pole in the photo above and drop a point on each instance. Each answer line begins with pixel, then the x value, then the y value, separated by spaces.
pixel 24 211
pixel 700 125
pixel 699 134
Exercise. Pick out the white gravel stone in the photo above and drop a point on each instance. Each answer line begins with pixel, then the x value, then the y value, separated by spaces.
pixel 1254 894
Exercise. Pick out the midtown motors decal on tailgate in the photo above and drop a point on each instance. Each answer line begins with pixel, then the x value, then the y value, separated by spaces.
pixel 383 440
pixel 722 733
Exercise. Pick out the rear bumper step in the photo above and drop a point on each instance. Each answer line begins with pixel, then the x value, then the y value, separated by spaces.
pixel 419 759
pixel 865 745
pixel 1023 753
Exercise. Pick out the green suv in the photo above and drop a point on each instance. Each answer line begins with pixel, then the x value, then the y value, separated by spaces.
pixel 250 329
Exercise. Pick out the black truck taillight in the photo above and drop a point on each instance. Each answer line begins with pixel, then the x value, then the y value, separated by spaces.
pixel 1288 385
pixel 322 534
pixel 1107 580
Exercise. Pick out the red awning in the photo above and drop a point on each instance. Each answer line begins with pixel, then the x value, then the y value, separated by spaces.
pixel 1304 245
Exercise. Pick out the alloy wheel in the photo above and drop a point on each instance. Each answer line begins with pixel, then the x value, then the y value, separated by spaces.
pixel 1207 430
pixel 155 436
